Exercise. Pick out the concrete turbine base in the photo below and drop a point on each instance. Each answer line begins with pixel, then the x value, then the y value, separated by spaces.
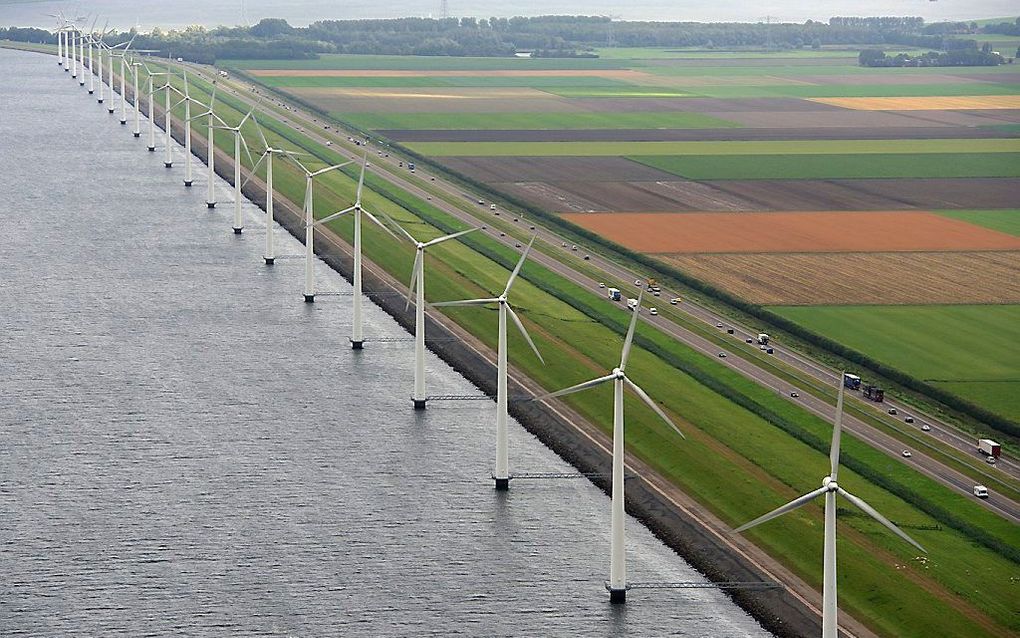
pixel 168 164
pixel 356 345
pixel 237 231
pixel 270 260
pixel 210 204
pixel 617 596
pixel 502 484
pixel 137 134
pixel 152 149
pixel 309 298
pixel 187 183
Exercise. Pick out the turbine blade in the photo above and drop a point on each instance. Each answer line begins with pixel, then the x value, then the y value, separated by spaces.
pixel 520 264
pixel 332 216
pixel 262 135
pixel 414 277
pixel 361 180
pixel 466 302
pixel 837 427
pixel 299 164
pixel 401 229
pixel 331 168
pixel 378 223
pixel 653 405
pixel 244 145
pixel 779 511
pixel 630 333
pixel 575 388
pixel 254 169
pixel 524 333
pixel 440 240
pixel 873 513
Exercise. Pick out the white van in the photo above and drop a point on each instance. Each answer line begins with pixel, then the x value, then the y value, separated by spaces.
pixel 980 491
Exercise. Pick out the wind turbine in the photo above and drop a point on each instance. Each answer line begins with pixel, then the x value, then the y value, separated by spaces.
pixel 269 253
pixel 617 584
pixel 310 223
pixel 502 473
pixel 123 81
pixel 187 100
pixel 92 69
pixel 418 277
pixel 81 51
pixel 357 329
pixel 210 150
pixel 239 141
pixel 166 87
pixel 830 488
pixel 61 26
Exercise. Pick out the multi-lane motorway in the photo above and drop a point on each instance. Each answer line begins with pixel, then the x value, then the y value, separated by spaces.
pixel 455 200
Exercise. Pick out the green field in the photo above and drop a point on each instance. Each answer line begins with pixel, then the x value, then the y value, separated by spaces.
pixel 532 121
pixel 1005 220
pixel 837 166
pixel 860 90
pixel 972 351
pixel 621 91
pixel 799 147
pixel 735 461
pixel 552 84
pixel 426 63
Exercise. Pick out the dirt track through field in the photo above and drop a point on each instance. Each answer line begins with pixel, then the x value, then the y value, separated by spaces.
pixel 862 231
pixel 861 278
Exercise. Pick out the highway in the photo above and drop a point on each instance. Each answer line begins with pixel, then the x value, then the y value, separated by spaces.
pixel 473 214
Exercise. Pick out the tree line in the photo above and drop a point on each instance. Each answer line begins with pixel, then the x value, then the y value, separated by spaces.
pixel 552 36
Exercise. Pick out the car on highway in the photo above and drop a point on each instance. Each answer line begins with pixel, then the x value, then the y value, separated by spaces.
pixel 492 207
pixel 926 428
pixel 908 419
pixel 794 394
pixel 892 411
pixel 481 202
pixel 906 454
pixel 502 234
pixel 674 300
pixel 654 311
pixel 587 257
pixel 531 228
pixel 980 491
pixel 769 351
pixel 749 340
pixel 517 245
pixel 718 325
pixel 990 460
pixel 721 355
pixel 602 285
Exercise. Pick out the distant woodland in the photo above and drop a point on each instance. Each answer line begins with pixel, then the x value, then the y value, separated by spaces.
pixel 546 36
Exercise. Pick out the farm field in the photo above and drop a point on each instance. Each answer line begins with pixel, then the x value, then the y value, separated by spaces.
pixel 839 184
pixel 969 350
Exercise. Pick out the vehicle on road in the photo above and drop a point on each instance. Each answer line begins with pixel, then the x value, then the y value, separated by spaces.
pixel 614 294
pixel 907 454
pixel 908 419
pixel 718 325
pixel 481 202
pixel 851 381
pixel 492 207
pixel 925 428
pixel 574 247
pixel 602 285
pixel 517 245
pixel 769 351
pixel 631 303
pixel 763 338
pixel 794 394
pixel 873 393
pixel 989 447
pixel 674 300
pixel 990 460
pixel 587 257
pixel 892 411
pixel 721 355
pixel 653 311
pixel 980 491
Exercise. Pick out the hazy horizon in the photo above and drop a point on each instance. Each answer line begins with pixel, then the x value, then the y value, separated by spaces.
pixel 123 14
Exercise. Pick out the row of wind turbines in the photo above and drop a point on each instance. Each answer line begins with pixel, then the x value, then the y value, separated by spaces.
pixel 75 55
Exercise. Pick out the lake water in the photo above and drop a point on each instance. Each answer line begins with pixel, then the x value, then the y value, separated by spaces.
pixel 188 448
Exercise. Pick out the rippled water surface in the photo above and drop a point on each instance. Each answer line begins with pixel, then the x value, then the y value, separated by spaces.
pixel 188 448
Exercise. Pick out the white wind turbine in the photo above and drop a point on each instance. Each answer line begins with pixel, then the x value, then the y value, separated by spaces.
pixel 210 150
pixel 617 584
pixel 418 278
pixel 101 48
pixel 123 83
pixel 91 36
pixel 357 328
pixel 166 87
pixel 81 53
pixel 187 101
pixel 830 488
pixel 239 142
pixel 269 253
pixel 61 36
pixel 502 473
pixel 309 206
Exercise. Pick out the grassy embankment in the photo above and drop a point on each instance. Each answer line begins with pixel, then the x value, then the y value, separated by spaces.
pixel 737 463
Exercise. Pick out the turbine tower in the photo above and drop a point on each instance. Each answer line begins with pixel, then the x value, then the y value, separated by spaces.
pixel 418 277
pixel 187 101
pixel 210 150
pixel 830 488
pixel 357 328
pixel 310 223
pixel 502 472
pixel 617 584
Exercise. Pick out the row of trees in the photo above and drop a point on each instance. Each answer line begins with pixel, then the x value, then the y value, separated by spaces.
pixel 563 36
pixel 956 57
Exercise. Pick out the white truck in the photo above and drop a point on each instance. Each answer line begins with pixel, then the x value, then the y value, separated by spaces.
pixel 989 447
pixel 614 294
pixel 763 339
pixel 631 303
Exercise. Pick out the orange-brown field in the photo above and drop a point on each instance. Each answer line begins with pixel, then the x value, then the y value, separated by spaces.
pixel 936 103
pixel 818 232
pixel 861 278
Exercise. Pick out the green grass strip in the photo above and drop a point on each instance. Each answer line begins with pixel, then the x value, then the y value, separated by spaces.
pixel 1006 220
pixel 533 121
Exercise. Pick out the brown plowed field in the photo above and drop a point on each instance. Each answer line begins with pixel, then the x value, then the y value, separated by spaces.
pixel 862 231
pixel 664 196
pixel 708 105
pixel 919 132
pixel 861 278
pixel 447 100
pixel 549 196
pixel 824 119
pixel 554 169
pixel 876 194
pixel 962 118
